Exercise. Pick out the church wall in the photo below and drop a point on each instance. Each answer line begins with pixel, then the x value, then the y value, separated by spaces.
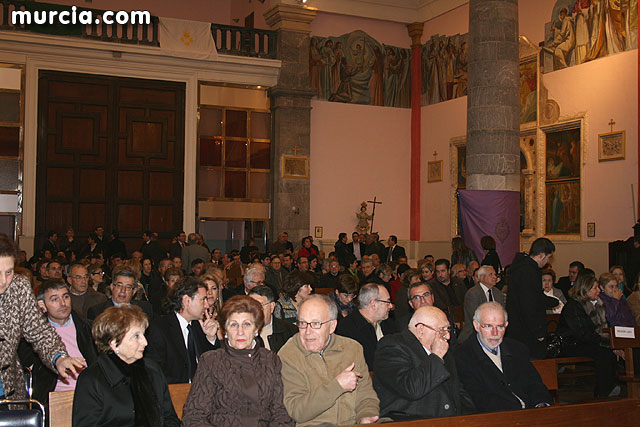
pixel 602 89
pixel 358 152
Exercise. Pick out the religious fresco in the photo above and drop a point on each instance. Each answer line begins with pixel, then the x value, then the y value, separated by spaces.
pixel 562 184
pixel 444 68
pixel 528 91
pixel 584 30
pixel 355 68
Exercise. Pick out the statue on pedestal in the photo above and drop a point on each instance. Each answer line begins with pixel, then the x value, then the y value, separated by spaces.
pixel 363 218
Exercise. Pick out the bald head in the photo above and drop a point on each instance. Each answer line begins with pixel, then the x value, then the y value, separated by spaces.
pixel 426 314
pixel 431 327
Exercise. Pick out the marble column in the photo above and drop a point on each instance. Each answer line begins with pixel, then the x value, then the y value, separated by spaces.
pixel 493 106
pixel 290 119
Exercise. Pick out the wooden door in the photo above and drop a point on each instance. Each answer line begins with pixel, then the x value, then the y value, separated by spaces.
pixel 110 153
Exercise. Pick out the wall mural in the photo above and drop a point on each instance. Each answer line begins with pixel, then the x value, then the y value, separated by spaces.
pixel 355 68
pixel 584 30
pixel 444 68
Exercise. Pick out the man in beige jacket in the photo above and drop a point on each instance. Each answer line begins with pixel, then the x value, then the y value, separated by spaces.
pixel 325 376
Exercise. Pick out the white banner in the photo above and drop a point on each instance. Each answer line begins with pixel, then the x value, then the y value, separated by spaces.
pixel 189 39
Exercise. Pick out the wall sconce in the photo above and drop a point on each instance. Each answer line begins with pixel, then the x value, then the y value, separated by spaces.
pixel 295 210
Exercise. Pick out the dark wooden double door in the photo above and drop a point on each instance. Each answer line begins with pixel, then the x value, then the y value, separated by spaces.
pixel 110 153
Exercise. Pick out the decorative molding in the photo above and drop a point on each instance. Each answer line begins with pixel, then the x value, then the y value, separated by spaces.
pixel 290 17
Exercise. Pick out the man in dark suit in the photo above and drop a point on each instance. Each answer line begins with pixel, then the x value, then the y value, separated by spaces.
pixel 565 283
pixel 484 291
pixel 123 288
pixel 175 248
pixel 275 332
pixel 526 301
pixel 356 247
pixel 415 375
pixel 151 247
pixel 177 340
pixel 448 291
pixel 394 252
pixel 370 322
pixel 51 244
pixel 496 371
pixel 55 302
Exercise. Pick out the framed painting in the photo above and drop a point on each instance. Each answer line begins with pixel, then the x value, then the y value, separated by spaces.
pixel 295 167
pixel 563 207
pixel 562 158
pixel 318 232
pixel 611 146
pixel 529 91
pixel 434 171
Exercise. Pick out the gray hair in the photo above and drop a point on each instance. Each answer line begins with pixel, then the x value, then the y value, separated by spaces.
pixel 484 270
pixel 489 306
pixel 368 293
pixel 251 273
pixel 366 261
pixel 415 285
pixel 333 309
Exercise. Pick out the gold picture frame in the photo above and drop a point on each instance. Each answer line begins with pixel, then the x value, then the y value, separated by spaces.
pixel 611 146
pixel 434 171
pixel 318 232
pixel 295 167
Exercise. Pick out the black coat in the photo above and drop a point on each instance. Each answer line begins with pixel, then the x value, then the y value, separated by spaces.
pixel 167 347
pixel 153 250
pixel 157 291
pixel 492 390
pixel 44 379
pixel 445 297
pixel 412 384
pixel 282 331
pixel 103 396
pixel 526 305
pixel 398 252
pixel 95 311
pixel 363 249
pixel 356 327
pixel 493 259
pixel 564 284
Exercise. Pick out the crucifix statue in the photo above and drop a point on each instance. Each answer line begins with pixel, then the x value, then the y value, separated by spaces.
pixel 373 214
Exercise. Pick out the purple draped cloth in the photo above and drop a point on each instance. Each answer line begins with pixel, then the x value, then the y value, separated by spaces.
pixel 494 213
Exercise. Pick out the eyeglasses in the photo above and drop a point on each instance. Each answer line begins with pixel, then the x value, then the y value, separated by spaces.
pixel 314 325
pixel 384 301
pixel 347 296
pixel 127 288
pixel 443 330
pixel 423 296
pixel 257 282
pixel 98 273
pixel 490 327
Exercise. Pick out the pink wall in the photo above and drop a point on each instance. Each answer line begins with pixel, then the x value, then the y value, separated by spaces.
pixel 358 152
pixel 331 24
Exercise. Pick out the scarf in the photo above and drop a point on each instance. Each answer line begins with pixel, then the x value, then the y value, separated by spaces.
pixel 598 316
pixel 145 402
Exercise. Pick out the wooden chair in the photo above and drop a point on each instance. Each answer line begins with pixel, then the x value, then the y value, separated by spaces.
pixel 60 408
pixel 548 370
pixel 61 404
pixel 627 344
pixel 179 393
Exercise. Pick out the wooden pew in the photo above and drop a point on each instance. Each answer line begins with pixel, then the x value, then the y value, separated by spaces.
pixel 627 344
pixel 548 370
pixel 61 404
pixel 622 412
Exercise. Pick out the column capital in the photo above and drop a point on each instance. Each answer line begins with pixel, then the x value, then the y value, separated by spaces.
pixel 290 17
pixel 415 30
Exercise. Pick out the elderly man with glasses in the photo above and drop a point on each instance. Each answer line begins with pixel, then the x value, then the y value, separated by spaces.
pixel 496 371
pixel 370 322
pixel 325 375
pixel 415 375
pixel 123 288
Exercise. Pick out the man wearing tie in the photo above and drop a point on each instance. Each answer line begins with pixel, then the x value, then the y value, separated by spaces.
pixel 394 252
pixel 484 291
pixel 177 340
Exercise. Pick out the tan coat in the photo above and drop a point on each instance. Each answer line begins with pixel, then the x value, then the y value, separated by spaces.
pixel 21 317
pixel 634 304
pixel 312 395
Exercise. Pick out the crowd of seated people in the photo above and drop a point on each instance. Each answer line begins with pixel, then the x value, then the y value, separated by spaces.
pixel 261 347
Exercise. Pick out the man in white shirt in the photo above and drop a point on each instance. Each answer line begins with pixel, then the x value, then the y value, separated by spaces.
pixel 484 291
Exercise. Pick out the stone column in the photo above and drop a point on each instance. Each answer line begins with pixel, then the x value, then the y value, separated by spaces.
pixel 415 32
pixel 290 118
pixel 493 105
